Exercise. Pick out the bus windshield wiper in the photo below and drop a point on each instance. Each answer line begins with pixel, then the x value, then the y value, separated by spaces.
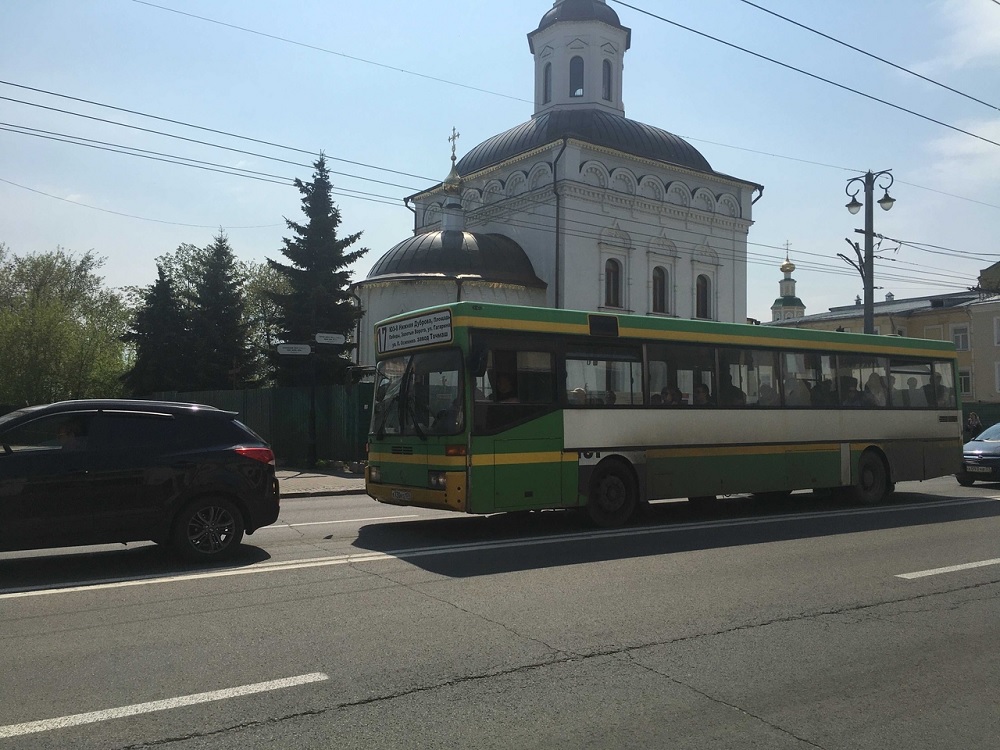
pixel 386 409
pixel 406 407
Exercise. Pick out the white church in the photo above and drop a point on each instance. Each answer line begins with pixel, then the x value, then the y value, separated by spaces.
pixel 578 208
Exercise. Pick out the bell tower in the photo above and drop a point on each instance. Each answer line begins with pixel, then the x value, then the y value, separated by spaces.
pixel 579 49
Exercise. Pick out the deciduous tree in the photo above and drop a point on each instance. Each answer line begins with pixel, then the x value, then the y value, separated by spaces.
pixel 60 328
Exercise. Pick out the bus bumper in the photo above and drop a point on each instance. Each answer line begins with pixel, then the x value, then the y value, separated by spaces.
pixel 453 497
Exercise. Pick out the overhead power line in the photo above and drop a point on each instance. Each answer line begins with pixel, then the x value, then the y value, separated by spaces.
pixel 206 129
pixel 874 57
pixel 772 60
pixel 331 52
pixel 196 141
pixel 133 216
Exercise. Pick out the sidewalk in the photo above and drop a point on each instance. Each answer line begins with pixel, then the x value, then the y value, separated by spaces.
pixel 315 482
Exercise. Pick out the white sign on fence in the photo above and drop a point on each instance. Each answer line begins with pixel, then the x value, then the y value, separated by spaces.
pixel 296 349
pixel 330 338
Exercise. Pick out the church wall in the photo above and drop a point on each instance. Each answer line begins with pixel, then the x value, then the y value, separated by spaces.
pixel 381 300
pixel 612 206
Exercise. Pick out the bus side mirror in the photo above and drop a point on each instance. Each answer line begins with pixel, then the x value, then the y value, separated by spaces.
pixel 477 362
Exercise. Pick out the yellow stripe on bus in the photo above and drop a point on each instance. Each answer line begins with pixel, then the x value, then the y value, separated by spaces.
pixel 752 339
pixel 420 458
pixel 540 457
pixel 741 450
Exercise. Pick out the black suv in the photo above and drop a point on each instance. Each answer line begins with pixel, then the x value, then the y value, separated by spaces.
pixel 105 471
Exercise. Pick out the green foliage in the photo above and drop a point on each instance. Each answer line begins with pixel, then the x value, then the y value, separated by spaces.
pixel 60 329
pixel 191 330
pixel 260 314
pixel 159 334
pixel 218 353
pixel 317 299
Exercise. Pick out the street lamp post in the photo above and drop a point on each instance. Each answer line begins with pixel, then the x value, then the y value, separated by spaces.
pixel 867 183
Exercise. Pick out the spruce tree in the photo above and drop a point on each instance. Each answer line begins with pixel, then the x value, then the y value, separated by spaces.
pixel 318 279
pixel 159 335
pixel 219 357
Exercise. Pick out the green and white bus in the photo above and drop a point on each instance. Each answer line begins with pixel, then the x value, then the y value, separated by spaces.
pixel 485 408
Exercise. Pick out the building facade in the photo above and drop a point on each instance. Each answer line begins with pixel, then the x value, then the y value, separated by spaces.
pixel 609 214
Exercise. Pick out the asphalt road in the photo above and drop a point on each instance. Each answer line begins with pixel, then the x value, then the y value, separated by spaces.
pixel 350 624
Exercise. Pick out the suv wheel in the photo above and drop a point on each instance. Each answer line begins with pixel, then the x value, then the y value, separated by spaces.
pixel 210 528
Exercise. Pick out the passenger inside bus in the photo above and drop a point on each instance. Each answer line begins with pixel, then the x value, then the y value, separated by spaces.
pixel 506 390
pixel 849 393
pixel 671 396
pixel 702 396
pixel 767 396
pixel 875 392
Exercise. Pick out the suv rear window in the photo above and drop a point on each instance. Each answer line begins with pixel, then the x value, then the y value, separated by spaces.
pixel 206 431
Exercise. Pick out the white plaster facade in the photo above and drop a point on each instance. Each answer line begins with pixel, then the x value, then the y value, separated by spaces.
pixel 605 229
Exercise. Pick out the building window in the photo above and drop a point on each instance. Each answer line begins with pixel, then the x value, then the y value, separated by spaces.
pixel 960 335
pixel 612 284
pixel 660 290
pixel 703 294
pixel 547 84
pixel 607 81
pixel 965 382
pixel 576 77
pixel 996 331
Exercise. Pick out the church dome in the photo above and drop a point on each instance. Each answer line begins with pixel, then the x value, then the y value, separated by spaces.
pixel 580 10
pixel 453 253
pixel 595 126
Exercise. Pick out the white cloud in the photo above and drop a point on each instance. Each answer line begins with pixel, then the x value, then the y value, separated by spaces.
pixel 960 160
pixel 970 36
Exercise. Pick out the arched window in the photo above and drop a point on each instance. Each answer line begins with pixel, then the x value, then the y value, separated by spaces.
pixel 659 290
pixel 612 284
pixel 547 84
pixel 607 80
pixel 576 77
pixel 703 292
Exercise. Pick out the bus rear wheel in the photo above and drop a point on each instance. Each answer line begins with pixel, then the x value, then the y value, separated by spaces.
pixel 613 495
pixel 873 480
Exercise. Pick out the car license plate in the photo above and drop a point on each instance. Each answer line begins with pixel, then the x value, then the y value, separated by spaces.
pixel 979 469
pixel 403 496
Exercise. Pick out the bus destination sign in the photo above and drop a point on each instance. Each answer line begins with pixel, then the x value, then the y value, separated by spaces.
pixel 423 330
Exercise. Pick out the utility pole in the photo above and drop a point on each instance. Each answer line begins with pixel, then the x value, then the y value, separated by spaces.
pixel 867 183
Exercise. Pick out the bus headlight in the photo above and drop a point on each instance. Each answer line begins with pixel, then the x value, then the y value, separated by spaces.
pixel 375 474
pixel 437 480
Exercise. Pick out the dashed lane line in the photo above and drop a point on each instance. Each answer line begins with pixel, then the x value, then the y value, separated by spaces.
pixel 92 717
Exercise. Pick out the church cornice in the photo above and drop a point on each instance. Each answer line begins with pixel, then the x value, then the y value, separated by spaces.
pixel 652 163
pixel 630 201
pixel 485 175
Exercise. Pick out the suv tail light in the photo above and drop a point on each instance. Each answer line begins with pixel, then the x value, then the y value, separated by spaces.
pixel 264 455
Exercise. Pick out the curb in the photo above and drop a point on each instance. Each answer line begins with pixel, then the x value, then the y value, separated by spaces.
pixel 323 492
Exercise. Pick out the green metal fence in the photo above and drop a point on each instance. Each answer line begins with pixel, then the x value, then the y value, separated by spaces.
pixel 281 417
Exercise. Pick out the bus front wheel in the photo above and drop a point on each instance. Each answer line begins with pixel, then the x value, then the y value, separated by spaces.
pixel 613 495
pixel 873 480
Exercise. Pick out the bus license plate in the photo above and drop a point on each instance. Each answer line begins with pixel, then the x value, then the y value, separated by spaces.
pixel 979 469
pixel 403 496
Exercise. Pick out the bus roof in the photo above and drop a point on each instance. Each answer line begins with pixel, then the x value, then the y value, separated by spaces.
pixel 623 326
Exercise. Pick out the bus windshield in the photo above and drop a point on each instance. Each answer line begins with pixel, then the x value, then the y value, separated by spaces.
pixel 419 394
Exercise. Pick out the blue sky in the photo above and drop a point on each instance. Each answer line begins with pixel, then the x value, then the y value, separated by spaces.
pixel 381 84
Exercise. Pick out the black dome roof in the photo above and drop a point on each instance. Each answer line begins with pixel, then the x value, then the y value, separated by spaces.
pixel 580 10
pixel 492 257
pixel 594 126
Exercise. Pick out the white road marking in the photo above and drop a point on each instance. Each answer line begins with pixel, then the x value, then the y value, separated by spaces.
pixel 949 569
pixel 409 554
pixel 33 727
pixel 274 526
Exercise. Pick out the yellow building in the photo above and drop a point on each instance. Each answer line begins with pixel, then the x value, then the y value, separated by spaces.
pixel 962 317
